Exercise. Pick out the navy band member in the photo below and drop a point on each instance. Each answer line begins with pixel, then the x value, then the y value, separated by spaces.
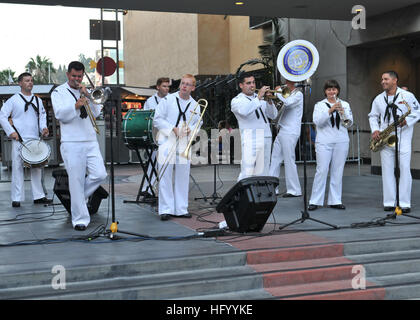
pixel 331 145
pixel 79 145
pixel 253 114
pixel 380 118
pixel 171 116
pixel 29 121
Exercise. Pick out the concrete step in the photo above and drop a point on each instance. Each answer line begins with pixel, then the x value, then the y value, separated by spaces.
pixel 180 290
pixel 381 246
pixel 173 278
pixel 146 268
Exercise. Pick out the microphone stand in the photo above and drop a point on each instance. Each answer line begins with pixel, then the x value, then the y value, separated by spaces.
pixel 397 173
pixel 305 213
pixel 114 225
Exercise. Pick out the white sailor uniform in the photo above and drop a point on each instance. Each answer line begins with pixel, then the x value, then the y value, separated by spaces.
pixel 380 118
pixel 253 119
pixel 285 143
pixel 29 123
pixel 331 145
pixel 79 149
pixel 171 112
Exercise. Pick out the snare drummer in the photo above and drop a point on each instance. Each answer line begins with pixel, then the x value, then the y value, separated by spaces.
pixel 162 87
pixel 29 121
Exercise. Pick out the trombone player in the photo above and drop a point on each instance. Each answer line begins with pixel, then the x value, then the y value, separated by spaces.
pixel 176 116
pixel 79 146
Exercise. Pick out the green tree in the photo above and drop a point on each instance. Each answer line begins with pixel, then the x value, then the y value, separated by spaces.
pixel 269 50
pixel 4 76
pixel 60 76
pixel 42 69
pixel 86 62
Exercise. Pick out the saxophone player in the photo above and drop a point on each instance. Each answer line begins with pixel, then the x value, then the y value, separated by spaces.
pixel 381 117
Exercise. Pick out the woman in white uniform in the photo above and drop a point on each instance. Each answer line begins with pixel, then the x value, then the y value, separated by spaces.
pixel 331 145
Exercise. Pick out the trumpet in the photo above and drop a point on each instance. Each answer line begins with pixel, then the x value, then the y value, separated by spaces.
pixel 96 96
pixel 271 94
pixel 346 122
pixel 186 153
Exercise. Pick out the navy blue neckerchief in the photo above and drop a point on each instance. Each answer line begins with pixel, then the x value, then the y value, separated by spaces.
pixel 83 113
pixel 337 117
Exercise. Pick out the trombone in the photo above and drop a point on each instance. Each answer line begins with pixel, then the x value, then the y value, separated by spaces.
pixel 186 153
pixel 96 96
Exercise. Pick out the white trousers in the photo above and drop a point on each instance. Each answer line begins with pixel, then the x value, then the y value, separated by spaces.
pixel 18 187
pixel 174 184
pixel 388 178
pixel 256 153
pixel 284 151
pixel 149 172
pixel 327 154
pixel 81 158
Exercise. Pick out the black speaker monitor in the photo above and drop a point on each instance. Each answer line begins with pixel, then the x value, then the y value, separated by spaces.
pixel 61 190
pixel 248 204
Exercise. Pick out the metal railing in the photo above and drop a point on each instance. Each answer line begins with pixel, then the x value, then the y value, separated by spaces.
pixel 354 146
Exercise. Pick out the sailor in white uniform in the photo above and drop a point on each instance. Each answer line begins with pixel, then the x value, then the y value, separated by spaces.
pixel 162 86
pixel 381 117
pixel 253 114
pixel 285 143
pixel 331 145
pixel 171 116
pixel 29 121
pixel 79 146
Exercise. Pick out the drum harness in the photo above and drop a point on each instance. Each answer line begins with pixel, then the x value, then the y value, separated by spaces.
pixel 36 109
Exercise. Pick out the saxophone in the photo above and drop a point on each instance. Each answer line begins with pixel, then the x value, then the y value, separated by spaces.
pixel 386 137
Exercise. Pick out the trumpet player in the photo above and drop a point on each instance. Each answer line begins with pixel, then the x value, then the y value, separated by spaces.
pixel 172 114
pixel 253 114
pixel 284 146
pixel 79 146
pixel 331 146
pixel 380 117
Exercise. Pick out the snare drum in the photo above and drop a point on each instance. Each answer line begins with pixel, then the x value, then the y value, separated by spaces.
pixel 35 153
pixel 137 128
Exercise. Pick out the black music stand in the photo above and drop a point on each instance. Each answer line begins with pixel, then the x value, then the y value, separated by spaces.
pixel 150 198
pixel 215 195
pixel 397 170
pixel 305 213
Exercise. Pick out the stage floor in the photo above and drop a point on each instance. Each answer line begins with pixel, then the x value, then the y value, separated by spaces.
pixel 35 237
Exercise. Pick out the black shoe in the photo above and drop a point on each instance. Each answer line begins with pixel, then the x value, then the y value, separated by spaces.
pixel 337 206
pixel 389 208
pixel 43 201
pixel 15 204
pixel 406 210
pixel 79 227
pixel 289 195
pixel 312 207
pixel 164 217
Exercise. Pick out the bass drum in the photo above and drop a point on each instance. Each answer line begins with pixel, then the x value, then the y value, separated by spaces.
pixel 35 153
pixel 138 130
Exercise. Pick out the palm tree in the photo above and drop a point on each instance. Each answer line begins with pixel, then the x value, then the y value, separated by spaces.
pixel 41 69
pixel 269 51
pixel 5 76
